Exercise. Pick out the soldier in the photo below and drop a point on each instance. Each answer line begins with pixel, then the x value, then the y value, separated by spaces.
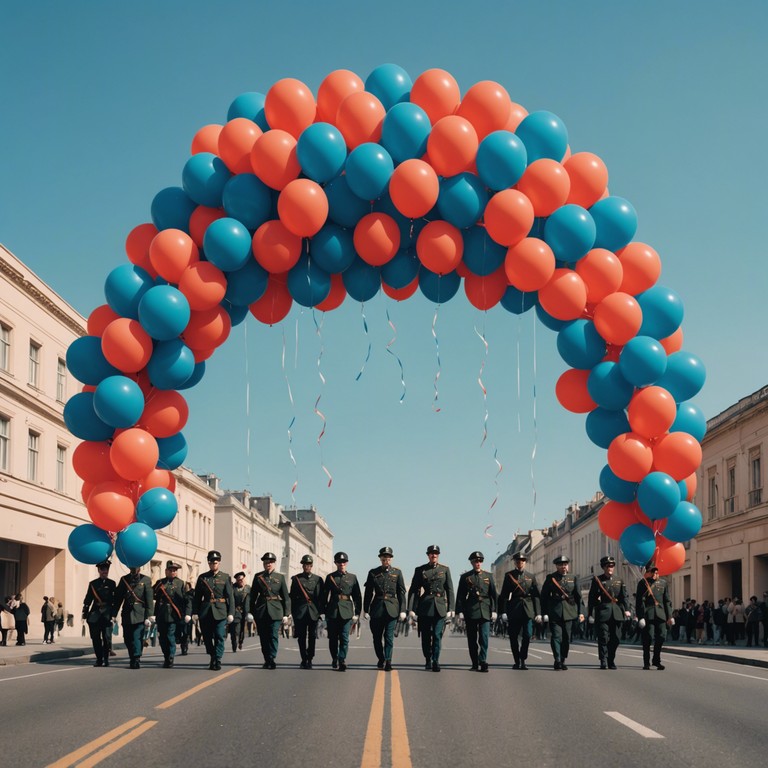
pixel 173 609
pixel 214 604
pixel 654 609
pixel 134 594
pixel 431 599
pixel 186 635
pixel 561 603
pixel 306 606
pixel 476 604
pixel 607 606
pixel 343 604
pixel 271 606
pixel 242 593
pixel 97 613
pixel 384 603
pixel 519 599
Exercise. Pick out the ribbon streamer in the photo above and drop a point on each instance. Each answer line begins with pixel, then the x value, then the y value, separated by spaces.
pixel 435 407
pixel 318 412
pixel 399 362
pixel 482 386
pixel 485 531
pixel 535 432
pixel 247 410
pixel 290 426
pixel 365 328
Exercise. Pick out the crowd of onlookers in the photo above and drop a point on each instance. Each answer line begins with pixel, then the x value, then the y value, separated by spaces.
pixel 14 619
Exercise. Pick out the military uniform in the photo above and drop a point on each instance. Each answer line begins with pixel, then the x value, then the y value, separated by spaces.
pixel 242 610
pixel 186 635
pixel 654 607
pixel 520 600
pixel 270 605
pixel 306 606
pixel 607 605
pixel 97 612
pixel 214 604
pixel 134 600
pixel 476 599
pixel 343 603
pixel 561 602
pixel 173 608
pixel 384 600
pixel 431 599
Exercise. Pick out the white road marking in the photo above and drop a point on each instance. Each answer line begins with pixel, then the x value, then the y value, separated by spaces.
pixel 646 733
pixel 37 674
pixel 738 674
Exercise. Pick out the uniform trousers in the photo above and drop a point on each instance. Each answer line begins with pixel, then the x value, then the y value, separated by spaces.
pixel 338 637
pixel 236 632
pixel 519 625
pixel 133 637
pixel 431 629
pixel 654 631
pixel 269 633
pixel 167 633
pixel 214 634
pixel 383 631
pixel 478 631
pixel 101 637
pixel 306 634
pixel 608 638
pixel 560 637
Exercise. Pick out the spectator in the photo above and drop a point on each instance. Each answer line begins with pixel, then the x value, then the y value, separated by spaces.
pixel 698 612
pixel 762 607
pixel 752 616
pixel 681 621
pixel 719 617
pixel 59 618
pixel 48 617
pixel 21 614
pixel 7 620
pixel 739 619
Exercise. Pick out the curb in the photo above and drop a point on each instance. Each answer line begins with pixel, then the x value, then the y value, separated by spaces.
pixel 730 658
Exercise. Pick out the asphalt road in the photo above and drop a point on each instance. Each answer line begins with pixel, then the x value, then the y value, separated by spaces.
pixel 696 712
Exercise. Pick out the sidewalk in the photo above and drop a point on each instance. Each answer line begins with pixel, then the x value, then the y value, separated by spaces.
pixel 738 654
pixel 65 647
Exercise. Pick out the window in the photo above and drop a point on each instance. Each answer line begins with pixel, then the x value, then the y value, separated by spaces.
pixel 5 440
pixel 61 468
pixel 711 495
pixel 729 501
pixel 755 478
pixel 5 348
pixel 34 364
pixel 33 456
pixel 61 381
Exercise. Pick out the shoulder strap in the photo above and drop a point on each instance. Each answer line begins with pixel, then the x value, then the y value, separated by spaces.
pixel 605 591
pixel 128 587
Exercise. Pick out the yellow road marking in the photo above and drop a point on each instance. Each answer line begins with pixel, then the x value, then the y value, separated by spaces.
pixel 401 748
pixel 197 689
pixel 78 754
pixel 110 749
pixel 372 747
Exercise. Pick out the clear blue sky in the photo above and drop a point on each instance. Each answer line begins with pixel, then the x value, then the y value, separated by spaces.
pixel 101 100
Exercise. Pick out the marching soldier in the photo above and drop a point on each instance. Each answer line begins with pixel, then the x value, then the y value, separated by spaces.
pixel 186 635
pixel 306 606
pixel 561 603
pixel 384 604
pixel 214 605
pixel 242 593
pixel 134 594
pixel 431 599
pixel 173 609
pixel 97 613
pixel 654 610
pixel 607 606
pixel 271 606
pixel 343 605
pixel 519 599
pixel 476 604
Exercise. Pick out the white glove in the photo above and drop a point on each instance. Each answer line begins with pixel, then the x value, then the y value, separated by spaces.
pixel 153 619
pixel 230 618
pixel 503 616
pixel 461 615
pixel 249 617
pixel 537 618
pixel 285 620
pixel 545 617
pixel 494 616
pixel 449 615
pixel 591 619
pixel 641 623
pixel 627 615
pixel 147 623
pixel 111 622
pixel 356 617
pixel 366 616
pixel 411 614
pixel 581 618
pixel 402 616
pixel 671 622
pixel 187 619
pixel 194 617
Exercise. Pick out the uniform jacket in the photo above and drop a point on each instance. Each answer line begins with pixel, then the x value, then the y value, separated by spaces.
pixel 343 598
pixel 519 597
pixel 653 604
pixel 270 599
pixel 607 606
pixel 214 596
pixel 476 595
pixel 431 592
pixel 134 594
pixel 97 604
pixel 384 595
pixel 172 604
pixel 560 597
pixel 301 607
pixel 242 597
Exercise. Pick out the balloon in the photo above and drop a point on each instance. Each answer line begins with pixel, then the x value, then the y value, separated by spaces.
pixel 308 284
pixel 137 245
pixel 405 131
pixel 618 318
pixel 197 374
pixel 616 222
pixel 401 270
pixel 440 247
pixel 615 517
pixel 246 285
pixel 501 160
pixel 414 188
pixel 158 478
pixel 529 264
pixel 276 302
pixel 206 139
pixel 658 495
pixel 98 320
pixel 110 505
pixel 438 288
pixel 638 543
pixel 570 233
pixel 165 413
pixel 546 184
pixel 572 393
pixel 482 255
pixel 235 142
pixel 171 252
pixel 669 557
pixel 651 411
pixel 203 179
pixel 564 296
pixel 274 159
pixel 207 329
pixel 662 312
pixel 437 93
pixel 580 345
pixel 508 217
pixel 332 248
pixel 615 488
pixel 336 295
pixel 678 454
pixel 134 453
pixel 485 291
pixel 124 287
pixel 275 247
pixel 126 345
pixel 237 312
pixel 362 280
pixel 89 544
pixel 171 209
pixel 290 106
pixel 601 272
pixel 173 451
pixel 684 376
pixel 462 200
pixel 603 425
pixel 118 401
pixel 86 361
pixel 359 118
pixel 516 301
pixel 672 343
pixel 400 294
pixel 163 312
pixel 630 457
pixel 544 135
pixel 156 507
pixel 344 207
pixel 333 90
pixel 227 244
pixel 81 420
pixel 643 361
pixel 321 152
pixel 368 170
pixel 203 285
pixel 589 178
pixel 690 419
pixel 688 487
pixel 203 217
pixel 303 207
pixel 136 545
pixel 641 265
pixel 390 84
pixel 247 200
pixel 452 145
pixel 250 105
pixel 548 320
pixel 608 388
pixel 376 239
pixel 684 522
pixel 487 106
pixel 90 461
pixel 171 364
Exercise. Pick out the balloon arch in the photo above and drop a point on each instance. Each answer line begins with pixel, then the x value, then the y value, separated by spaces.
pixel 395 185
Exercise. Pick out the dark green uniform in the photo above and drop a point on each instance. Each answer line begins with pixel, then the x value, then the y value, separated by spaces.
pixel 653 604
pixel 343 600
pixel 270 602
pixel 242 609
pixel 384 600
pixel 431 597
pixel 172 604
pixel 134 601
pixel 607 604
pixel 306 606
pixel 561 601
pixel 520 600
pixel 97 612
pixel 213 603
pixel 476 598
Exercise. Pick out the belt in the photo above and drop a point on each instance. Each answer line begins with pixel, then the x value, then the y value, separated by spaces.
pixel 218 600
pixel 434 594
pixel 344 597
pixel 273 598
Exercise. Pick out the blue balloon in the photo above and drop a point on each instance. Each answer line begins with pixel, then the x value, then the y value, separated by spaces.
pixel 248 199
pixel 482 254
pixel 118 401
pixel 135 545
pixel 616 222
pixel 368 170
pixel 81 419
pixel 204 177
pixel 390 84
pixel 580 345
pixel 684 523
pixel 603 426
pixel 86 361
pixel 658 494
pixel 518 302
pixel 173 451
pixel 345 208
pixel 171 209
pixel 333 248
pixel 171 364
pixel 638 543
pixel 89 544
pixel 462 200
pixel 164 312
pixel 662 312
pixel 690 419
pixel 227 244
pixel 308 284
pixel 251 106
pixel 156 508
pixel 570 233
pixel 124 288
pixel 321 152
pixel 684 377
pixel 237 313
pixel 361 280
pixel 246 285
pixel 197 374
pixel 643 361
pixel 615 488
pixel 438 288
pixel 544 135
pixel 405 131
pixel 547 320
pixel 401 269
pixel 501 160
pixel 608 388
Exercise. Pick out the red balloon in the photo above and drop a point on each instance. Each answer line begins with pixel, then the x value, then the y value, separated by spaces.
pixel 274 159
pixel 360 118
pixel 589 178
pixel 206 139
pixel 137 246
pixel 158 478
pixel 564 296
pixel 452 145
pixel 165 413
pixel 546 184
pixel 275 248
pixel 618 318
pixel 673 343
pixel 376 238
pixel 614 517
pixel 651 411
pixel 440 247
pixel 290 106
pixel 641 267
pixel 126 345
pixel 134 453
pixel 207 328
pixel 601 272
pixel 678 454
pixel 303 207
pixel 336 297
pixel 99 319
pixel 90 460
pixel 400 294
pixel 171 252
pixel 516 116
pixel 530 264
pixel 487 106
pixel 111 506
pixel 414 188
pixel 508 217
pixel 572 393
pixel 236 140
pixel 333 90
pixel 276 302
pixel 669 557
pixel 630 456
pixel 203 284
pixel 437 93
pixel 202 217
pixel 486 291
